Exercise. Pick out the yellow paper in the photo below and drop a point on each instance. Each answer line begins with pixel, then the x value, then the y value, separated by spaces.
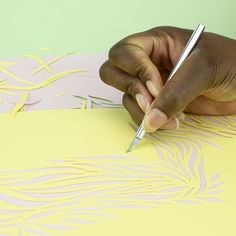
pixel 45 65
pixel 20 105
pixel 40 61
pixel 15 77
pixel 68 173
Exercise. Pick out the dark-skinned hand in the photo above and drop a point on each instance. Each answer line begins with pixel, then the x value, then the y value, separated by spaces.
pixel 139 66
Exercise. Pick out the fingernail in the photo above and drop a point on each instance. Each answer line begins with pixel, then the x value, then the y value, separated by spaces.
pixel 142 102
pixel 173 124
pixel 154 119
pixel 177 123
pixel 152 89
pixel 181 116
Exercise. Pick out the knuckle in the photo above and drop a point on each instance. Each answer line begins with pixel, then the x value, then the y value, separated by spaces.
pixel 142 70
pixel 114 52
pixel 132 87
pixel 125 99
pixel 104 72
pixel 118 49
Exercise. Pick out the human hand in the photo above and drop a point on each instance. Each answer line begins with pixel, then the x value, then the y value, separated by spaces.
pixel 139 66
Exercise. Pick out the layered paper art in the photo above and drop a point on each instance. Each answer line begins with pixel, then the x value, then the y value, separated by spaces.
pixel 66 172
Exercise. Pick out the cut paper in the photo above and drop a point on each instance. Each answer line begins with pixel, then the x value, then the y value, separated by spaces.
pixel 97 102
pixel 83 84
pixel 6 64
pixel 19 106
pixel 9 93
pixel 67 172
pixel 45 65
pixel 47 82
pixel 83 105
pixel 10 85
pixel 15 77
pixel 2 80
pixel 40 61
pixel 99 98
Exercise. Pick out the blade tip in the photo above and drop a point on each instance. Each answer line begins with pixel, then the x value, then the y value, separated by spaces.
pixel 130 147
pixel 134 142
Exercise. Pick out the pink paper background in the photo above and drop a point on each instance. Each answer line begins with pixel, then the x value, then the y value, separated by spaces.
pixel 81 84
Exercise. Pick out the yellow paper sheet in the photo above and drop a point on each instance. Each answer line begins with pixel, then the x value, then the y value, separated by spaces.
pixel 68 173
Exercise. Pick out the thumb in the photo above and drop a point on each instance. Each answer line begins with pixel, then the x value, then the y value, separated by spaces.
pixel 187 84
